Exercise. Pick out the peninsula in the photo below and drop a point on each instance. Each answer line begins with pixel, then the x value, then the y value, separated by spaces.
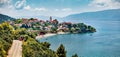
pixel 51 26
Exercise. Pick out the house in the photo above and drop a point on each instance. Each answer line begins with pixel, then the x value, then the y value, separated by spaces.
pixel 24 20
pixel 19 25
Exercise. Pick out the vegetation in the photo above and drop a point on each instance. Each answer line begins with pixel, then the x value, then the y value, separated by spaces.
pixel 75 55
pixel 18 29
pixel 31 47
pixel 46 44
pixel 17 21
pixel 6 37
pixel 81 28
pixel 61 51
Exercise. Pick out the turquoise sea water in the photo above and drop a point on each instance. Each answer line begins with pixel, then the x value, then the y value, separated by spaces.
pixel 103 43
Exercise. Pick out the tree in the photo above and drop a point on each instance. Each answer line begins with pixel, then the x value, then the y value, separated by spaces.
pixel 75 55
pixel 56 21
pixel 61 51
pixel 6 32
pixel 6 27
pixel 31 18
pixel 46 44
pixel 91 29
pixel 32 48
pixel 6 37
pixel 69 26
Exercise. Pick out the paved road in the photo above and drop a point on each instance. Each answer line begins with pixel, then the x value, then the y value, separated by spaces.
pixel 16 49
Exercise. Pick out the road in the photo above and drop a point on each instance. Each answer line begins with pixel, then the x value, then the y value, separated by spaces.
pixel 16 49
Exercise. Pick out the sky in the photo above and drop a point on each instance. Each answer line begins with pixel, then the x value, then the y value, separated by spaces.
pixel 58 8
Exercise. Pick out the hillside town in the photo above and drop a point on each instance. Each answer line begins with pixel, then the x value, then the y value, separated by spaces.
pixel 51 26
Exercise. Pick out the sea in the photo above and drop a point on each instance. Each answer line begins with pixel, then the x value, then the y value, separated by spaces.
pixel 103 43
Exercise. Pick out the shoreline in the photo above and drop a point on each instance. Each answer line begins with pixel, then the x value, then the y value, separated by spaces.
pixel 49 35
pixel 46 35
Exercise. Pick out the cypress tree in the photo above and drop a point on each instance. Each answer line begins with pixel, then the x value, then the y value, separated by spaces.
pixel 61 51
pixel 75 55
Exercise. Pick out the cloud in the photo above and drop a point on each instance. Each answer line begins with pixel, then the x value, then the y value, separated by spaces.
pixel 27 7
pixel 66 9
pixel 56 10
pixel 4 3
pixel 20 4
pixel 40 9
pixel 111 4
pixel 34 9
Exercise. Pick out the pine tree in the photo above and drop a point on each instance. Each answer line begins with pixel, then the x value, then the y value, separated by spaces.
pixel 75 55
pixel 61 51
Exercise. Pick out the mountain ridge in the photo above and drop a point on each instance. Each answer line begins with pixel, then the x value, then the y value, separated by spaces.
pixel 5 18
pixel 106 15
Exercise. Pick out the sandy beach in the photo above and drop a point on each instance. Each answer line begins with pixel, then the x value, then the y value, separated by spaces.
pixel 49 34
pixel 44 36
pixel 62 33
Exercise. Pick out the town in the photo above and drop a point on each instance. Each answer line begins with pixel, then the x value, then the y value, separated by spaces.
pixel 51 26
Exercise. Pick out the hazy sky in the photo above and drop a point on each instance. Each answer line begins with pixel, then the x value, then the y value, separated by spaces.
pixel 59 8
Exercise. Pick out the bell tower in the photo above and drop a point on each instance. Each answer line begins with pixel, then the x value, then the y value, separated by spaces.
pixel 50 18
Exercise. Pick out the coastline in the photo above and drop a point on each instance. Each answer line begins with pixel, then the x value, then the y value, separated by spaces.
pixel 49 34
pixel 46 35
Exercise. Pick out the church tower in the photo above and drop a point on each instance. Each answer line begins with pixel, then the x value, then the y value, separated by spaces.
pixel 50 18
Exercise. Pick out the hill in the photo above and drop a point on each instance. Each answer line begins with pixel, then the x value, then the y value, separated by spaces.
pixel 5 18
pixel 105 15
